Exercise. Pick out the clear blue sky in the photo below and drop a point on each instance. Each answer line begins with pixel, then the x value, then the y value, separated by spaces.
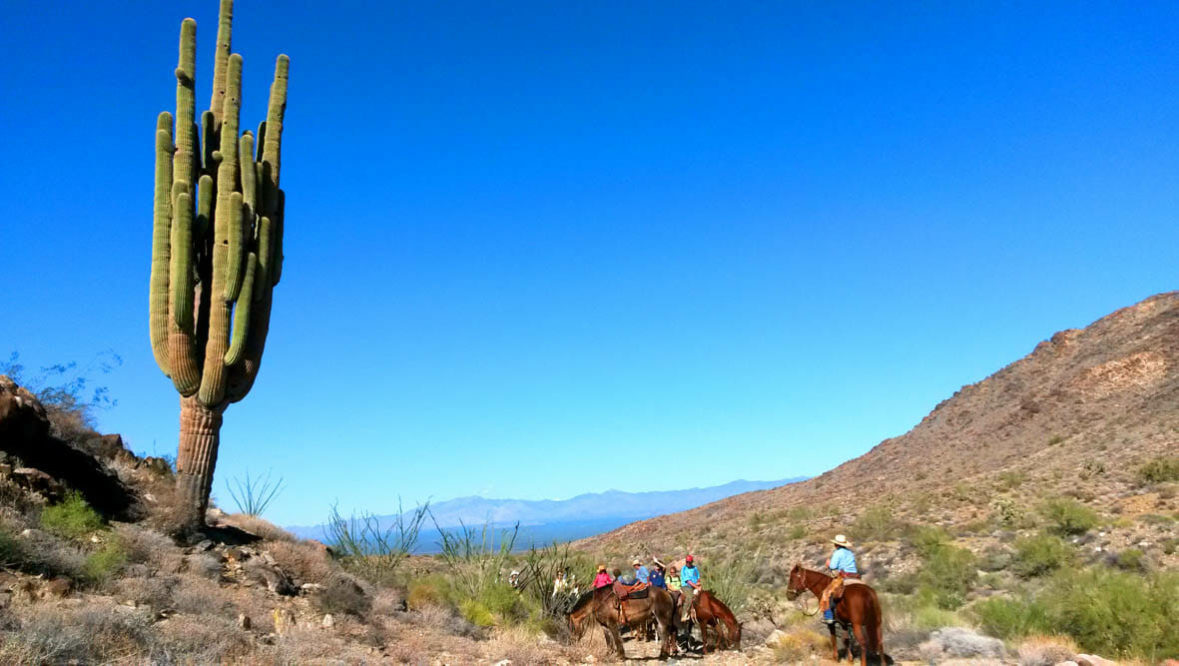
pixel 529 241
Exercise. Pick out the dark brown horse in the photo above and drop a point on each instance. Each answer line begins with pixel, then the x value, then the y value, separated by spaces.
pixel 714 616
pixel 858 608
pixel 602 606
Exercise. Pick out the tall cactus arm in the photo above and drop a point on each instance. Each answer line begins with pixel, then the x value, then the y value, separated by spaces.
pixel 184 164
pixel 246 372
pixel 235 250
pixel 280 220
pixel 209 141
pixel 221 58
pixel 181 350
pixel 241 313
pixel 160 250
pixel 271 151
pixel 249 176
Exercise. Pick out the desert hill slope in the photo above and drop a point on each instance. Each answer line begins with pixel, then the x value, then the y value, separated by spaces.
pixel 1076 417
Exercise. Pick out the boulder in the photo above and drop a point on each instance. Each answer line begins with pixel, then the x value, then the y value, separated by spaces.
pixel 1093 660
pixel 275 579
pixel 960 643
pixel 25 434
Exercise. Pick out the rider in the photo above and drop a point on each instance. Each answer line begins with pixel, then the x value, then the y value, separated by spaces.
pixel 690 585
pixel 843 564
pixel 602 579
pixel 642 574
pixel 657 579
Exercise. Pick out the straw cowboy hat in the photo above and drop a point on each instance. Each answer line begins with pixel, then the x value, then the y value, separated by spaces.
pixel 841 540
pixel 601 567
pixel 637 562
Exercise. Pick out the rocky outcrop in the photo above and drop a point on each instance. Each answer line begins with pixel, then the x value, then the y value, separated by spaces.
pixel 50 464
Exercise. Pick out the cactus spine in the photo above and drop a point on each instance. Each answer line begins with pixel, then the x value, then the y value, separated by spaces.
pixel 216 251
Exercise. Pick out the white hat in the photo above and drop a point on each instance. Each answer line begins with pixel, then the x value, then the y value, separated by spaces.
pixel 841 540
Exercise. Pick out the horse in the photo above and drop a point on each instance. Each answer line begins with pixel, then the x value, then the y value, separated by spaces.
pixel 602 606
pixel 711 613
pixel 858 608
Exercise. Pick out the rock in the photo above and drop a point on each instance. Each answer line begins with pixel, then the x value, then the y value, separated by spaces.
pixel 956 642
pixel 1093 660
pixel 775 638
pixel 284 619
pixel 57 588
pixel 328 621
pixel 157 466
pixel 504 662
pixel 1067 663
pixel 36 481
pixel 25 434
pixel 310 588
pixel 203 546
pixel 243 621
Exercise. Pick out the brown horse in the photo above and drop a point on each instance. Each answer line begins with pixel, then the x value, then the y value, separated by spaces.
pixel 712 614
pixel 602 606
pixel 858 608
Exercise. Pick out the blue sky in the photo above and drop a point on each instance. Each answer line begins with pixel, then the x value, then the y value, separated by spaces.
pixel 533 245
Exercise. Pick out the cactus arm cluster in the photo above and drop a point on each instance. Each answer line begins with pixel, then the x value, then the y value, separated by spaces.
pixel 216 240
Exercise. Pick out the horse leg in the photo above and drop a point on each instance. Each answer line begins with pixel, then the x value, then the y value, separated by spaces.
pixel 880 643
pixel 616 637
pixel 834 643
pixel 860 635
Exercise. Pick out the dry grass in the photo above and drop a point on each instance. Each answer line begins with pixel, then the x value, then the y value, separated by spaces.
pixel 259 527
pixel 305 562
pixel 799 643
pixel 1046 650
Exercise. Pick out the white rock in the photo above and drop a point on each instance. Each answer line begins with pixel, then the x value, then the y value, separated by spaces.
pixel 328 621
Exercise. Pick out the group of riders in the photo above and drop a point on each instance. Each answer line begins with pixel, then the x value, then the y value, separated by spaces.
pixel 681 582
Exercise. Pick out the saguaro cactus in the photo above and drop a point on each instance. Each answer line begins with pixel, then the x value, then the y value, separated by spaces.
pixel 216 251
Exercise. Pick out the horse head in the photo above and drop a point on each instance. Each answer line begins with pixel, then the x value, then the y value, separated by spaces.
pixel 797 582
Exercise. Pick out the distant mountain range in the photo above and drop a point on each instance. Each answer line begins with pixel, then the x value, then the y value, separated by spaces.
pixel 544 521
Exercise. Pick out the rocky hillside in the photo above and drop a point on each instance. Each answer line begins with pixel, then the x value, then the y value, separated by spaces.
pixel 1078 417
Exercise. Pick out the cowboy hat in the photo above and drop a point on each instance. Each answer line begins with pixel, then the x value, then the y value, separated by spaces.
pixel 601 567
pixel 637 562
pixel 841 540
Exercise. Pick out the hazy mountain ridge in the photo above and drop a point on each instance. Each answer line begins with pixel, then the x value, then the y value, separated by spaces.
pixel 576 517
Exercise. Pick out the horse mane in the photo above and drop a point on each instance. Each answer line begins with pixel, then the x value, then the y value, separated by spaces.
pixel 582 600
pixel 814 571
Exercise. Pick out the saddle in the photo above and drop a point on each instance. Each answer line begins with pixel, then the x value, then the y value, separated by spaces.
pixel 626 592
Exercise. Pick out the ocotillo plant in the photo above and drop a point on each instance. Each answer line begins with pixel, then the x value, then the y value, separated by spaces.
pixel 216 251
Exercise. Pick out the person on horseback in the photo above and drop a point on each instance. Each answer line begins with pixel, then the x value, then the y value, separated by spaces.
pixel 657 577
pixel 642 574
pixel 842 563
pixel 689 585
pixel 602 579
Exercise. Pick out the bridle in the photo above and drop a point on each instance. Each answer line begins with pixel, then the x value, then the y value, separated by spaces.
pixel 794 589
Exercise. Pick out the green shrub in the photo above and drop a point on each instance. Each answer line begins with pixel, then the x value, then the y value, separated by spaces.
pixel 1131 560
pixel 476 613
pixel 1159 470
pixel 433 590
pixel 1112 613
pixel 71 518
pixel 947 575
pixel 1041 554
pixel 10 550
pixel 1068 517
pixel 101 565
pixel 1012 617
pixel 796 532
pixel 877 523
pixel 926 539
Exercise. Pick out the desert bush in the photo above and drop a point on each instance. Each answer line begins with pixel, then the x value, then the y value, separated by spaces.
pixel 11 552
pixel 153 591
pixel 1012 479
pixel 1041 554
pixel 946 575
pixel 1159 470
pixel 143 545
pixel 258 526
pixel 88 635
pixel 995 558
pixel 1131 559
pixel 308 563
pixel 342 595
pixel 731 579
pixel 1108 612
pixel 445 619
pixel 475 557
pixel 539 570
pixel 876 523
pixel 433 590
pixel 1068 517
pixel 1046 650
pixel 253 494
pixel 66 392
pixel 798 645
pixel 926 539
pixel 104 563
pixel 198 596
pixel 71 518
pixel 370 550
pixel 207 639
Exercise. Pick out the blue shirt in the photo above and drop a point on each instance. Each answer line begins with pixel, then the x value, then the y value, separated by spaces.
pixel 657 579
pixel 689 574
pixel 843 560
pixel 642 575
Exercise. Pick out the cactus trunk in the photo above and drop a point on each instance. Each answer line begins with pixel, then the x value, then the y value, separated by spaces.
pixel 216 251
pixel 200 436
